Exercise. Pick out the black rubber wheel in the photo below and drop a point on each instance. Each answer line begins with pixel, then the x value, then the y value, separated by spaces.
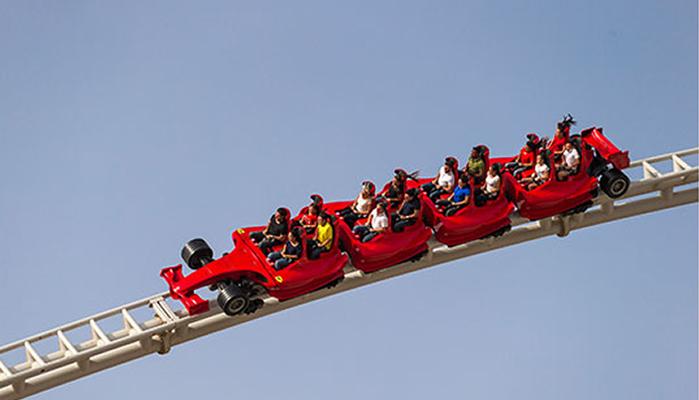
pixel 614 183
pixel 196 253
pixel 232 300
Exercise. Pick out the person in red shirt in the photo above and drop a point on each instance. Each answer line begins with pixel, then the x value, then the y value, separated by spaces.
pixel 557 144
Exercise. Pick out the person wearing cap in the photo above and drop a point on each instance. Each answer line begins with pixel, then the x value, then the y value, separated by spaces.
pixel 375 225
pixel 361 206
pixel 443 182
pixel 459 197
pixel 274 233
pixel 408 212
pixel 570 162
pixel 323 239
pixel 476 165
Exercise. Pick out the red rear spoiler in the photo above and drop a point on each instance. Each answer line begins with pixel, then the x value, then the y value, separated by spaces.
pixel 605 148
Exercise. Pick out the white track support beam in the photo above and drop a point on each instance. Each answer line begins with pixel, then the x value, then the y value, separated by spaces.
pixel 170 327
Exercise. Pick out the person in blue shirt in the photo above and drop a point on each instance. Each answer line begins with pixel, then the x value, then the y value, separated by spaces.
pixel 459 197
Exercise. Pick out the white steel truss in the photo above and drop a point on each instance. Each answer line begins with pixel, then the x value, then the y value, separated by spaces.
pixel 168 326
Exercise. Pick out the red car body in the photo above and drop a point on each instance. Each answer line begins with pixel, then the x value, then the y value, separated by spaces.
pixel 388 248
pixel 247 261
pixel 555 197
pixel 471 222
pixel 247 264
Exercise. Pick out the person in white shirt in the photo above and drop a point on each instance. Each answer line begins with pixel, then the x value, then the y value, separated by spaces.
pixel 443 182
pixel 540 175
pixel 362 205
pixel 571 162
pixel 491 186
pixel 376 224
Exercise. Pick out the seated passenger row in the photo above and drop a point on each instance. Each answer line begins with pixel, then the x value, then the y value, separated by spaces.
pixel 398 205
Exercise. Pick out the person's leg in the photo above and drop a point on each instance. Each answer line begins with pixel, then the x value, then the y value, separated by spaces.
pixel 360 230
pixel 434 196
pixel 267 244
pixel 351 218
pixel 443 203
pixel 274 256
pixel 315 252
pixel 282 263
pixel 369 236
pixel 451 210
pixel 428 187
pixel 399 226
pixel 257 236
pixel 562 173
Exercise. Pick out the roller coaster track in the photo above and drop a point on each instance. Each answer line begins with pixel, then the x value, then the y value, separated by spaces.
pixel 170 325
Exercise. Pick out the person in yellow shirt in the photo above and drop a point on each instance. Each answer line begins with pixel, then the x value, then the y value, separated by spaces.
pixel 323 239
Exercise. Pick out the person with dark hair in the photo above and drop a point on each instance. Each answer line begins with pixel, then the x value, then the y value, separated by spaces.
pixel 274 233
pixel 570 163
pixel 476 165
pixel 408 212
pixel 540 175
pixel 557 144
pixel 362 205
pixel 396 190
pixel 323 239
pixel 491 186
pixel 443 182
pixel 375 225
pixel 459 197
pixel 291 252
pixel 526 158
pixel 309 220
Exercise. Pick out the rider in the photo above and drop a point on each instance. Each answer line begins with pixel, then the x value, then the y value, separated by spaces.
pixel 376 224
pixel 408 212
pixel 274 233
pixel 443 182
pixel 291 251
pixel 571 162
pixel 540 175
pixel 459 198
pixel 557 144
pixel 396 190
pixel 476 165
pixel 491 186
pixel 323 239
pixel 362 205
pixel 527 155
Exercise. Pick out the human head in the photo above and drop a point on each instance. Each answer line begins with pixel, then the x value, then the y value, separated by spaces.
pixel 323 218
pixel 539 158
pixel 313 209
pixel 411 193
pixel 295 235
pixel 569 146
pixel 475 153
pixel 463 180
pixel 450 163
pixel 381 207
pixel 368 188
pixel 280 214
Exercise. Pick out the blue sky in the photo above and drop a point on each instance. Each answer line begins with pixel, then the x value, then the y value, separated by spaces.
pixel 127 128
